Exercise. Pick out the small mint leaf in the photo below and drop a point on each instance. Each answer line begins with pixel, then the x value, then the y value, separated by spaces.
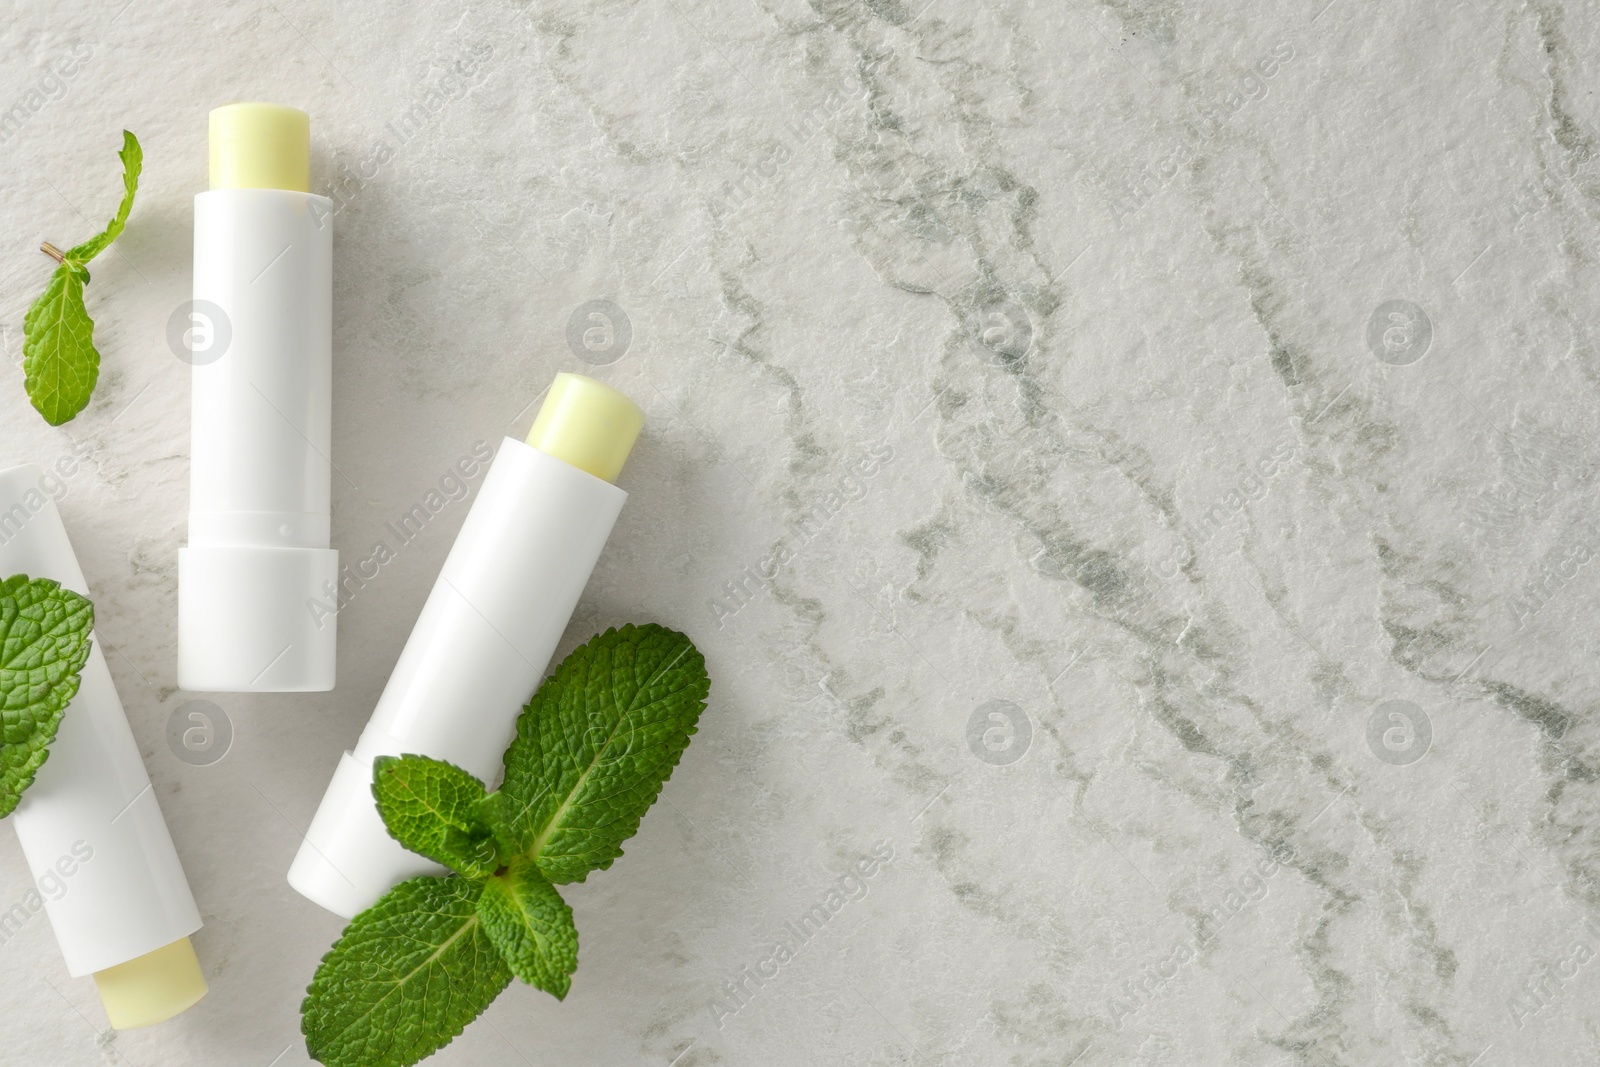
pixel 595 745
pixel 59 361
pixel 60 365
pixel 132 157
pixel 531 925
pixel 492 810
pixel 404 979
pixel 433 808
pixel 44 643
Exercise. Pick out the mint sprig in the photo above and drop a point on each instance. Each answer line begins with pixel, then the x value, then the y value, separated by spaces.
pixel 44 643
pixel 594 746
pixel 59 361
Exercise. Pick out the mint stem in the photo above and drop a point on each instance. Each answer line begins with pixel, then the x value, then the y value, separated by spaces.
pixel 53 252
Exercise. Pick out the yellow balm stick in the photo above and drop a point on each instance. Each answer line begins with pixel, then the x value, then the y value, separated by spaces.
pixel 260 146
pixel 587 424
pixel 151 988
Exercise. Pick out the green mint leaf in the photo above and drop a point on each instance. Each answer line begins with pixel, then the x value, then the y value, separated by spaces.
pixel 507 842
pixel 595 745
pixel 132 157
pixel 434 809
pixel 59 361
pixel 404 979
pixel 531 925
pixel 44 643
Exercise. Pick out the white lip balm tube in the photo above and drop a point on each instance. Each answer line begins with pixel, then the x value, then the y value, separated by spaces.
pixel 486 632
pixel 261 422
pixel 89 825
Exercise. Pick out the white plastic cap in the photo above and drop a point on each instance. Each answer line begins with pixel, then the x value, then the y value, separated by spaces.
pixel 348 859
pixel 256 620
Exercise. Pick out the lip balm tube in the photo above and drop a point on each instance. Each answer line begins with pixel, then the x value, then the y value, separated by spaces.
pixel 261 419
pixel 486 632
pixel 89 825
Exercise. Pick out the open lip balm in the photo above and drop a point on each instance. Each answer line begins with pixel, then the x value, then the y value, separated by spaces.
pixel 486 632
pixel 90 827
pixel 261 416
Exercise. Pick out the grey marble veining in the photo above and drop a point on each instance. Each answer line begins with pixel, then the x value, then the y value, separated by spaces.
pixel 1129 467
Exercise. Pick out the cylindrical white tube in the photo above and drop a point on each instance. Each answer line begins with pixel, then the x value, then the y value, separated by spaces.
pixel 261 418
pixel 485 635
pixel 90 825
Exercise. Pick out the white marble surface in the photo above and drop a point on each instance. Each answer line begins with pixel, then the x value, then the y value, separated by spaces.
pixel 1174 509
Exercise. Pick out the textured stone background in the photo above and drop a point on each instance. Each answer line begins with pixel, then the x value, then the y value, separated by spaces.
pixel 1107 289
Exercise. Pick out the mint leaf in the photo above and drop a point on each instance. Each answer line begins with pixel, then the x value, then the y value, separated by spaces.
pixel 132 157
pixel 405 979
pixel 595 745
pixel 493 812
pixel 44 643
pixel 531 925
pixel 59 361
pixel 433 808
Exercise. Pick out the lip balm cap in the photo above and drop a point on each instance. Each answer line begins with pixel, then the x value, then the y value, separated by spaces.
pixel 587 424
pixel 151 988
pixel 260 146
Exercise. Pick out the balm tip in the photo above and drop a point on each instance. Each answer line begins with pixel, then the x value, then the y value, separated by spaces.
pixel 151 988
pixel 260 146
pixel 587 424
